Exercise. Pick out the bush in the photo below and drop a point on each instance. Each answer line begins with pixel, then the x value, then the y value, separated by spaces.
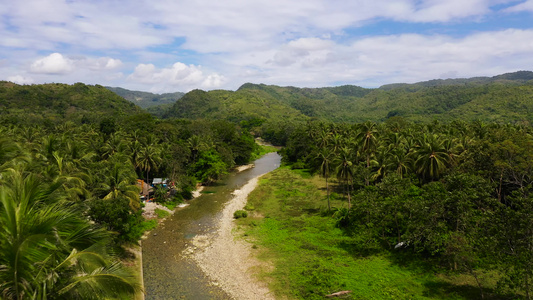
pixel 240 214
pixel 117 216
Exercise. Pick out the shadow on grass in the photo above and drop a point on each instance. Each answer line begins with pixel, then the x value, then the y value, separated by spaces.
pixel 446 290
pixel 426 269
pixel 441 289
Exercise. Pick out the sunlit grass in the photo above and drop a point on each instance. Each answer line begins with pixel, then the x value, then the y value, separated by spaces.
pixel 290 228
pixel 161 213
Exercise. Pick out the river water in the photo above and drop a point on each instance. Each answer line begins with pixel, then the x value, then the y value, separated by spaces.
pixel 167 273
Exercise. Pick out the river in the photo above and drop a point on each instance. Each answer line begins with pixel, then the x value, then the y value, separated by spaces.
pixel 167 273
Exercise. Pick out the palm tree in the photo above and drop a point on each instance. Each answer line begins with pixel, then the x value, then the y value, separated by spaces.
pixel 431 157
pixel 379 163
pixel 120 183
pixel 368 140
pixel 134 151
pixel 399 161
pixel 344 170
pixel 149 159
pixel 325 157
pixel 48 250
pixel 195 143
pixel 10 153
pixel 112 145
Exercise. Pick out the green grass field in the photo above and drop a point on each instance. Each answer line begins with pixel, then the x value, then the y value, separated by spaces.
pixel 310 257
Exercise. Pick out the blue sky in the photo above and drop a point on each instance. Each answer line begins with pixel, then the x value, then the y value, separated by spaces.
pixel 169 45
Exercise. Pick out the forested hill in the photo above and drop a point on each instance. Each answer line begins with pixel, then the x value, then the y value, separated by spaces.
pixel 502 98
pixel 146 99
pixel 55 103
pixel 241 105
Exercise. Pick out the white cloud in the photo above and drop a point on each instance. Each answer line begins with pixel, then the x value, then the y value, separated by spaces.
pixel 213 81
pixel 524 6
pixel 18 79
pixel 104 63
pixel 444 11
pixel 273 41
pixel 177 77
pixel 374 61
pixel 307 50
pixel 54 63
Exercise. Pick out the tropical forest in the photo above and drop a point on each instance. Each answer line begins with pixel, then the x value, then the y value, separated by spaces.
pixel 406 191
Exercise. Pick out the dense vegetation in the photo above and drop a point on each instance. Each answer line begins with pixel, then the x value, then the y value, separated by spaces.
pixel 503 98
pixel 146 99
pixel 68 184
pixel 51 104
pixel 455 196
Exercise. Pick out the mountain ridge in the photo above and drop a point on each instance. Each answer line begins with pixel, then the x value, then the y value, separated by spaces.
pixel 503 98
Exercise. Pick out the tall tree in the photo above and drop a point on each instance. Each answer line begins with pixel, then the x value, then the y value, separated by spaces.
pixel 325 157
pixel 149 159
pixel 119 182
pixel 431 157
pixel 344 170
pixel 367 137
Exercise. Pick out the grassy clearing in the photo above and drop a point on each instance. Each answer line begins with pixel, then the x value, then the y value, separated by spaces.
pixel 289 227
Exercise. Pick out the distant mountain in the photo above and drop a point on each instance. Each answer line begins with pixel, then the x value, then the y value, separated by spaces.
pixel 145 99
pixel 520 77
pixel 503 98
pixel 59 102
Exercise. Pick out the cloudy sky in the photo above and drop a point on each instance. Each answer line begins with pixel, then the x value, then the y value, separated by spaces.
pixel 177 45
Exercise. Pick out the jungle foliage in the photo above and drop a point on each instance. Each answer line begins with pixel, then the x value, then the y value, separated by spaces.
pixel 457 195
pixel 70 159
pixel 503 98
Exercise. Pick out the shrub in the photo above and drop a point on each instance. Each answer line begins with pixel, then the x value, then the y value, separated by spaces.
pixel 240 214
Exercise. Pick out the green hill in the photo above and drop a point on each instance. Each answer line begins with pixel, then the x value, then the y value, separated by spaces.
pixel 35 104
pixel 146 99
pixel 241 105
pixel 502 98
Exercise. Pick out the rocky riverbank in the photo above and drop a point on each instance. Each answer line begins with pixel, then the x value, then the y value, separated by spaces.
pixel 228 262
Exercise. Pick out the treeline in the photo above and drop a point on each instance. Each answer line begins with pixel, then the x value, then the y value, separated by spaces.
pixel 503 98
pixel 69 195
pixel 50 104
pixel 459 194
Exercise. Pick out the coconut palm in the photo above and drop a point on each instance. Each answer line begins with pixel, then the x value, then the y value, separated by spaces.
pixel 379 163
pixel 344 170
pixel 113 145
pixel 431 157
pixel 195 143
pixel 149 159
pixel 119 182
pixel 325 157
pixel 399 161
pixel 367 139
pixel 10 153
pixel 47 250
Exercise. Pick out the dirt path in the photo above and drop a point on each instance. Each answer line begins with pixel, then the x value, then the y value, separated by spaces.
pixel 228 262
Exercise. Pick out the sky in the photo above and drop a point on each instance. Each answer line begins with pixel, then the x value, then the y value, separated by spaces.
pixel 175 45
